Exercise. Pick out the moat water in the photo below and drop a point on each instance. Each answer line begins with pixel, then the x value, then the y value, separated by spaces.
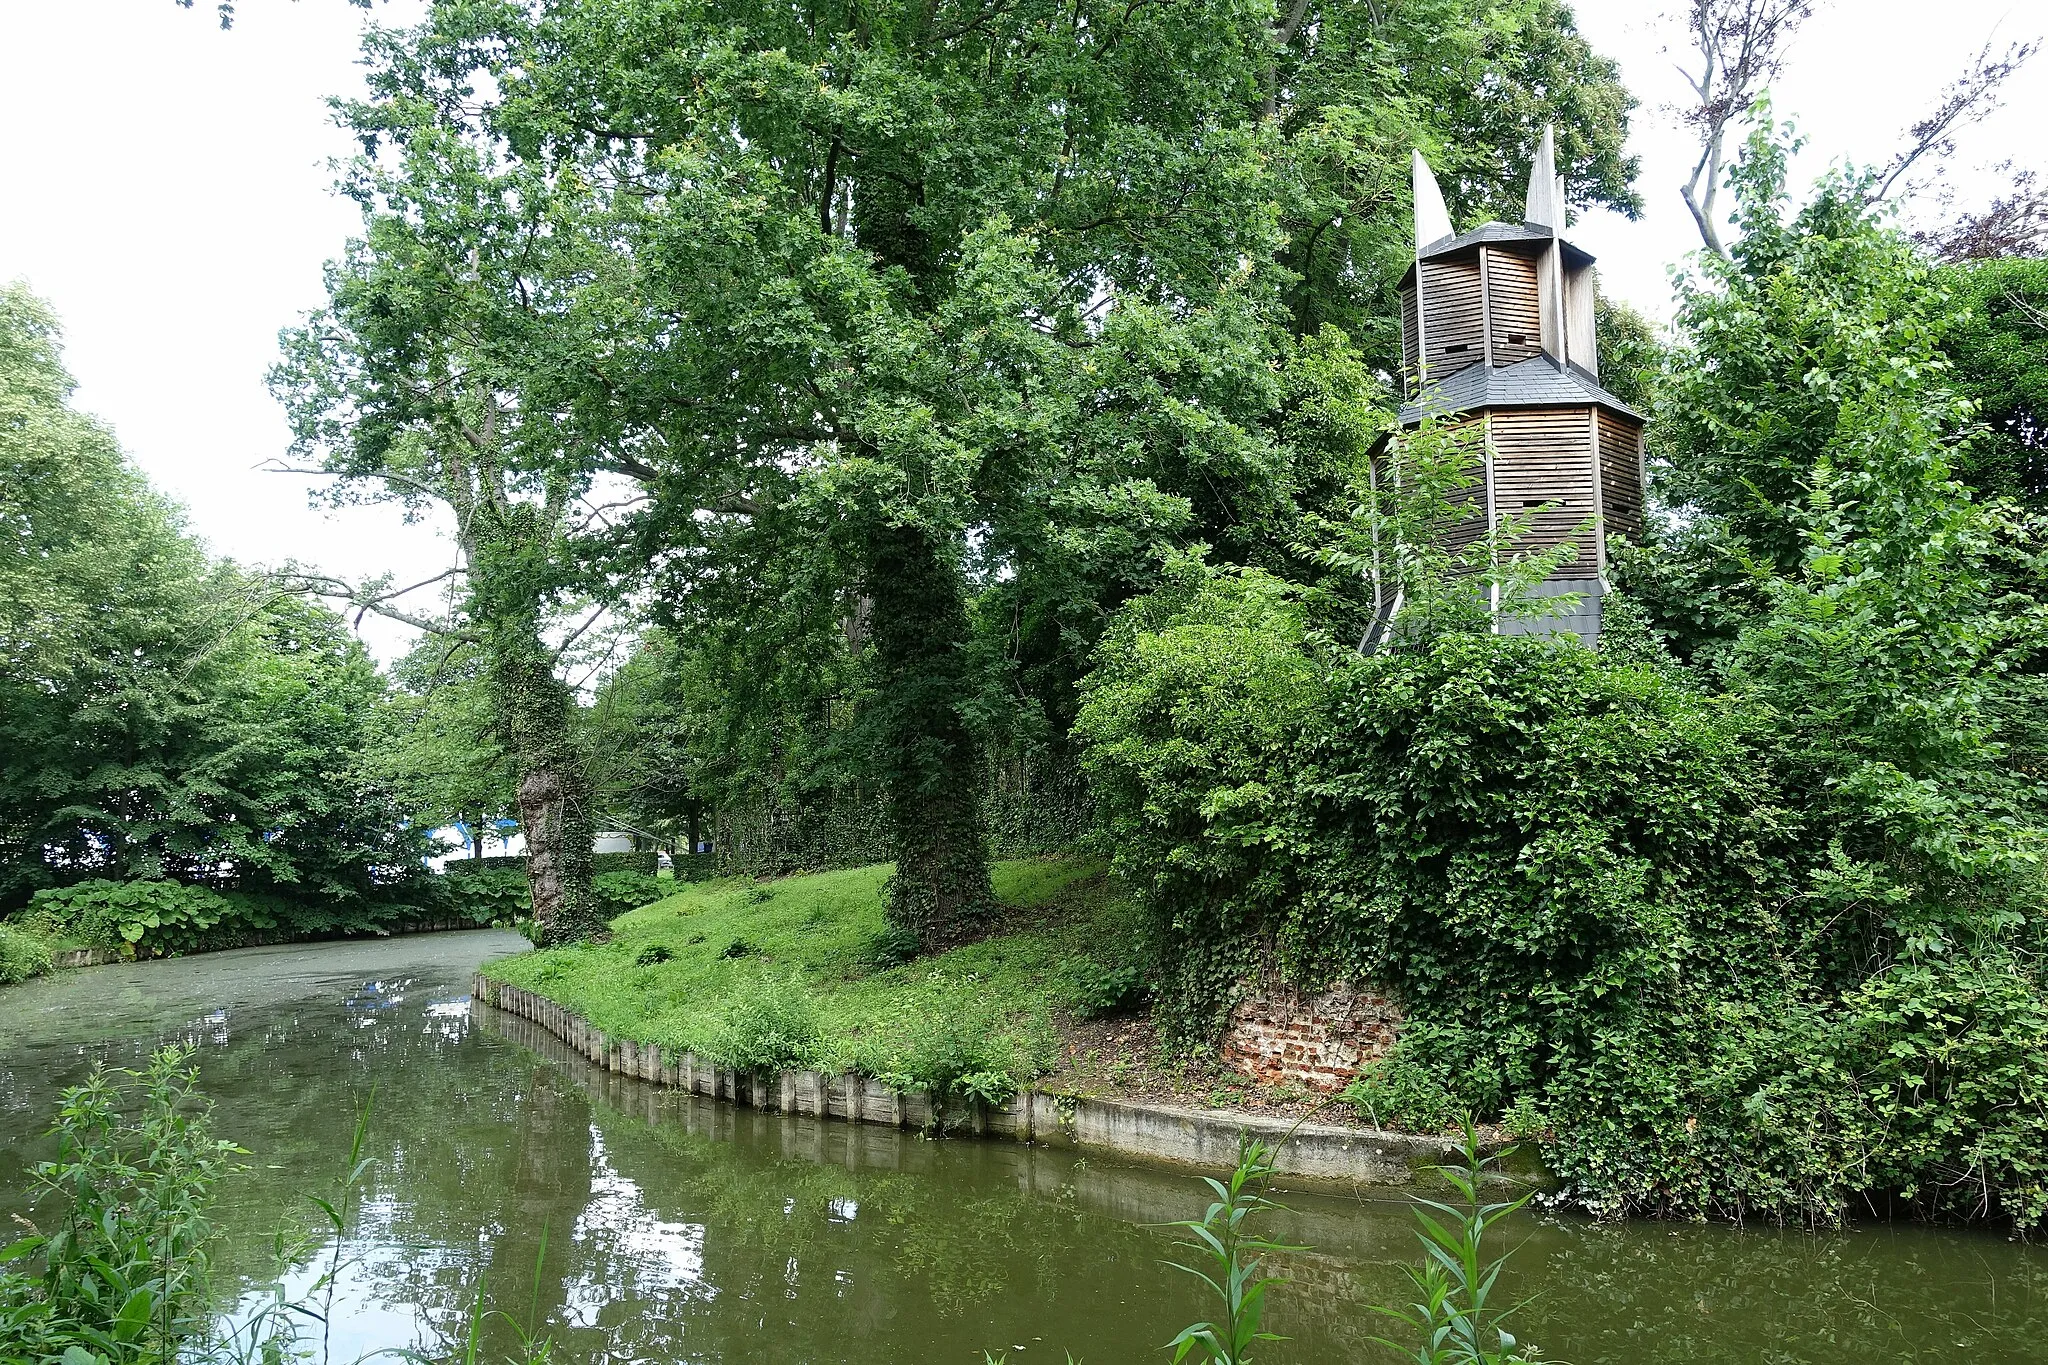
pixel 635 1224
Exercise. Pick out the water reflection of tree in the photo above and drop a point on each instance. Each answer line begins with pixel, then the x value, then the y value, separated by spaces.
pixel 804 1256
pixel 682 1229
pixel 1637 1293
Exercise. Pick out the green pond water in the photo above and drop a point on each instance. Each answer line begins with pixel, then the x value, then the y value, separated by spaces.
pixel 636 1224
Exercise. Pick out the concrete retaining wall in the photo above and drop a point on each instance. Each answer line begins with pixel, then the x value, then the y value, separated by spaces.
pixel 85 957
pixel 1196 1137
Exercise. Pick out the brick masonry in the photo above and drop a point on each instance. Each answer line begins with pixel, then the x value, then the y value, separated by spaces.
pixel 1277 1035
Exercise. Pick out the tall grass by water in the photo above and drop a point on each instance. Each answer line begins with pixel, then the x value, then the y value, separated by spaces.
pixel 117 1269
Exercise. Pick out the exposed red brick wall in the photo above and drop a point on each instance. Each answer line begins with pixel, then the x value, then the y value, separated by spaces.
pixel 1278 1035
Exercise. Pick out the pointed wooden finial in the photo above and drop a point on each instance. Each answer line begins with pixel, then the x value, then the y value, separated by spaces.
pixel 1432 219
pixel 1545 205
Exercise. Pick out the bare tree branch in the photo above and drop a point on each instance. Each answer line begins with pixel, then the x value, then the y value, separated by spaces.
pixel 1969 98
pixel 279 467
pixel 577 633
pixel 595 512
pixel 307 584
pixel 1740 47
pixel 2016 224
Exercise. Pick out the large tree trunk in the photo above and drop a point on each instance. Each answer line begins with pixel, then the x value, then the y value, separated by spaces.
pixel 931 760
pixel 554 793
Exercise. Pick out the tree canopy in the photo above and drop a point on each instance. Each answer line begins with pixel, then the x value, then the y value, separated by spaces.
pixel 162 714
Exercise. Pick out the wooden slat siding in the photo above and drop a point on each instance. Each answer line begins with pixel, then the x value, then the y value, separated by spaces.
pixel 1409 342
pixel 1512 307
pixel 1492 506
pixel 1485 311
pixel 1601 528
pixel 1473 527
pixel 1621 475
pixel 1477 497
pixel 1545 455
pixel 1453 316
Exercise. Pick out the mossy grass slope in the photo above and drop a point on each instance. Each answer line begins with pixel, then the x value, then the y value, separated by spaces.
pixel 797 972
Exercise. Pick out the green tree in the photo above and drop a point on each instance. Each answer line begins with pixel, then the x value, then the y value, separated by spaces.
pixel 439 743
pixel 641 735
pixel 1998 346
pixel 998 302
pixel 424 381
pixel 1631 353
pixel 1815 430
pixel 162 715
pixel 1350 89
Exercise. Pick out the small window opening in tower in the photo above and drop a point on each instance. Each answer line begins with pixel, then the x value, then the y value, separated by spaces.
pixel 1461 346
pixel 1518 338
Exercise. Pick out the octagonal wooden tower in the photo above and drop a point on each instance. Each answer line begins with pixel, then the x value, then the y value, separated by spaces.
pixel 1497 328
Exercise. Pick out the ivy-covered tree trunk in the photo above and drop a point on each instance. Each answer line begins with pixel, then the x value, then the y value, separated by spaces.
pixel 931 758
pixel 554 793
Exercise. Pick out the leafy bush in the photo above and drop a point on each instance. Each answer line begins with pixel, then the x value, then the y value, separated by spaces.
pixel 1098 990
pixel 618 892
pixel 119 1269
pixel 957 1059
pixel 156 917
pixel 1404 1090
pixel 1951 1061
pixel 890 946
pixel 1732 963
pixel 772 1026
pixel 23 953
pixel 695 867
pixel 1498 821
pixel 160 917
pixel 483 896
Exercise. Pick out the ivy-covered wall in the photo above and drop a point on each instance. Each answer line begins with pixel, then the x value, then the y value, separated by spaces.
pixel 1029 807
pixel 1596 889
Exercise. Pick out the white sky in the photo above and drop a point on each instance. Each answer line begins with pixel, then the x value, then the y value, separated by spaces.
pixel 1861 72
pixel 166 189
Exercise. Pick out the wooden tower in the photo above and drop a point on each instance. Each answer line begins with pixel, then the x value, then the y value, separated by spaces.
pixel 1497 328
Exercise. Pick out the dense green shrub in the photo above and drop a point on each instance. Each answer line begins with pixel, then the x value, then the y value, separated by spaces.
pixel 618 892
pixel 154 916
pixel 1950 1062
pixel 483 896
pixel 1098 989
pixel 695 867
pixel 1610 901
pixel 962 1058
pixel 160 917
pixel 771 1026
pixel 23 953
pixel 1496 818
pixel 485 891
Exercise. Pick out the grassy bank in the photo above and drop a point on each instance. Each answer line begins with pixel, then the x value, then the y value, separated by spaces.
pixel 800 972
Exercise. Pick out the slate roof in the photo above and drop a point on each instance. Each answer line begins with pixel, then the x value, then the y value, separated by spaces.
pixel 1537 382
pixel 1497 234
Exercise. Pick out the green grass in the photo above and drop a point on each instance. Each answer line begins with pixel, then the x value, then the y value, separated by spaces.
pixel 24 953
pixel 785 973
